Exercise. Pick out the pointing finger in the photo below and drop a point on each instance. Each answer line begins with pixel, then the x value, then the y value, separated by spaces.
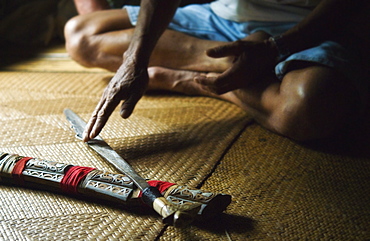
pixel 232 49
pixel 90 124
pixel 128 106
pixel 102 117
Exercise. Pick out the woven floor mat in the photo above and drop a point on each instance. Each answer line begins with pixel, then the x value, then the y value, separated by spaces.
pixel 172 138
pixel 285 191
pixel 41 59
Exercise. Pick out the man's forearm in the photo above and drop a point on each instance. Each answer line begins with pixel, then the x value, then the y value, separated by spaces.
pixel 88 6
pixel 326 22
pixel 153 19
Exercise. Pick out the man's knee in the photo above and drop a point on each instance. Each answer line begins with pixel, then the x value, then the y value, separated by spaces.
pixel 291 119
pixel 78 44
pixel 317 103
pixel 294 123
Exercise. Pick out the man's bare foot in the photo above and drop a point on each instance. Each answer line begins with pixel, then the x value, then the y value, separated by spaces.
pixel 180 81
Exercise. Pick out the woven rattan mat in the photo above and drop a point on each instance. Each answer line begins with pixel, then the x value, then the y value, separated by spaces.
pixel 172 138
pixel 285 191
pixel 281 190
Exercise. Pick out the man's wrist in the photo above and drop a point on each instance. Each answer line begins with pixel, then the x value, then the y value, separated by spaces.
pixel 138 59
pixel 281 47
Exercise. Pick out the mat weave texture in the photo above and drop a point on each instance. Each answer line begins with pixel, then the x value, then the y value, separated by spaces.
pixel 281 190
pixel 172 138
pixel 285 191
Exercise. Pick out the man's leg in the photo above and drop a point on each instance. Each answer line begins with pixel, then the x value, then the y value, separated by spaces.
pixel 99 39
pixel 311 101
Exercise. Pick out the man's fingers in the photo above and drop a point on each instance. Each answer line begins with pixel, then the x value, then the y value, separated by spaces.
pixel 90 124
pixel 232 49
pixel 215 84
pixel 128 106
pixel 100 122
pixel 219 84
pixel 99 118
pixel 205 80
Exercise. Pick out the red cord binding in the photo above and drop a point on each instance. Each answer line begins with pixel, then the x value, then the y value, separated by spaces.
pixel 18 169
pixel 160 185
pixel 73 177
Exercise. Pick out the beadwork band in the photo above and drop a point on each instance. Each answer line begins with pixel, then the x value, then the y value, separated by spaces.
pixel 113 187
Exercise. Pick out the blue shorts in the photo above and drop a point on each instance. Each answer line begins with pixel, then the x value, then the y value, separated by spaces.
pixel 200 21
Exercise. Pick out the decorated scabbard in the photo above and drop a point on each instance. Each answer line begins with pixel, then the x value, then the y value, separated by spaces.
pixel 112 187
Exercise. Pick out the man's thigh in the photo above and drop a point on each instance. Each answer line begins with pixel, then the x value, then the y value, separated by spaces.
pixel 102 21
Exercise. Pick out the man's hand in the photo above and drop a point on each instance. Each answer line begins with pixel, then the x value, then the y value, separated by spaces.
pixel 129 85
pixel 251 60
pixel 131 79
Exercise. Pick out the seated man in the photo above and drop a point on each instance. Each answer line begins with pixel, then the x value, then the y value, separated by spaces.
pixel 294 65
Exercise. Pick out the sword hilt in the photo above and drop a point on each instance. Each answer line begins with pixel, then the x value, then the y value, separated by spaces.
pixel 178 206
pixel 178 216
